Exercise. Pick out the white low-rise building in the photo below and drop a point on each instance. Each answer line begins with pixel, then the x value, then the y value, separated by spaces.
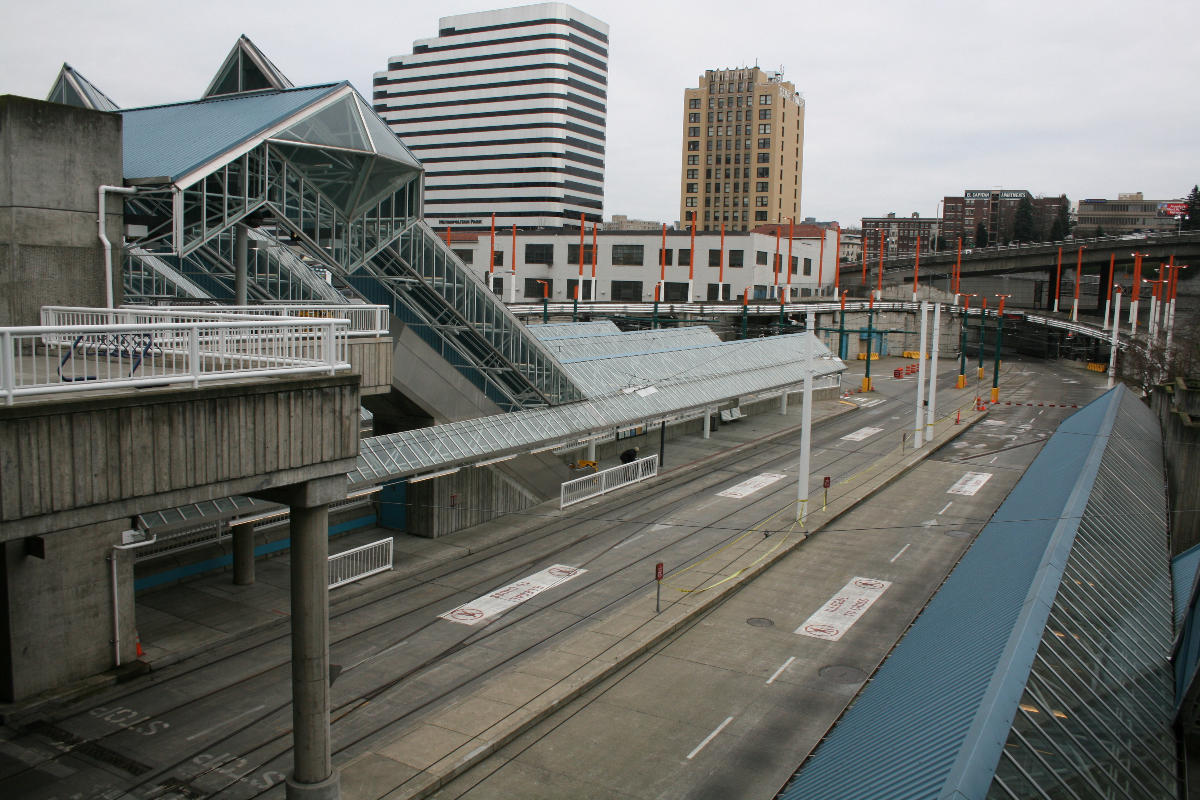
pixel 632 265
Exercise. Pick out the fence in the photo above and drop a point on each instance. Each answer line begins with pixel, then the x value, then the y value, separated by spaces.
pixel 580 489
pixel 365 320
pixel 360 562
pixel 84 355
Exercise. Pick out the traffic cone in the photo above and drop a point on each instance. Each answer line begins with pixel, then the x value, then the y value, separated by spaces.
pixel 138 641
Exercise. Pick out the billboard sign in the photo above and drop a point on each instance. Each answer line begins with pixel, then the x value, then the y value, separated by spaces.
pixel 1173 208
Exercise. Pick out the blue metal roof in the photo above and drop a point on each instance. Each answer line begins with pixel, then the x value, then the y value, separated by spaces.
pixel 170 141
pixel 935 717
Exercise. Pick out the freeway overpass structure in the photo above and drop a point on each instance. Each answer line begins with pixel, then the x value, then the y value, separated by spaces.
pixel 1028 271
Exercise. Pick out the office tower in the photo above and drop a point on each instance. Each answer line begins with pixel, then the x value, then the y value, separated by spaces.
pixel 743 149
pixel 506 109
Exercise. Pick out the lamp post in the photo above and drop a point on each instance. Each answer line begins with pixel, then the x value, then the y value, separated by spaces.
pixel 1116 324
pixel 1078 271
pixel 999 341
pixel 1112 260
pixel 982 320
pixel 934 340
pixel 866 384
pixel 962 348
pixel 1133 292
pixel 1057 279
pixel 545 301
pixel 919 427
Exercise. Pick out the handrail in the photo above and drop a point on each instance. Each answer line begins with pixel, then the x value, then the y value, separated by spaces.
pixel 589 486
pixel 365 320
pixel 48 359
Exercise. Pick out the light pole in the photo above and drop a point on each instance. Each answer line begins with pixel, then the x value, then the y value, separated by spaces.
pixel 545 301
pixel 935 335
pixel 1133 292
pixel 1116 324
pixel 982 321
pixel 919 427
pixel 999 340
pixel 962 348
pixel 1078 271
pixel 1112 260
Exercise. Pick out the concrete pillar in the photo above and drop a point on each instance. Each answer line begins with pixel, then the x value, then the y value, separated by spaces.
pixel 707 422
pixel 591 450
pixel 243 554
pixel 240 261
pixel 783 403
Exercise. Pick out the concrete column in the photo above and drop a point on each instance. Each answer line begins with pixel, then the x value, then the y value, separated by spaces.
pixel 240 261
pixel 783 403
pixel 707 422
pixel 243 554
pixel 312 777
pixel 591 450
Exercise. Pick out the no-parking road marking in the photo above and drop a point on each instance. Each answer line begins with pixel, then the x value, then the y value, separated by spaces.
pixel 843 609
pixel 752 485
pixel 970 483
pixel 861 433
pixel 495 603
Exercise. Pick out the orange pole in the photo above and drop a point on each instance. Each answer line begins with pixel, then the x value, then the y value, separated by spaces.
pixel 880 287
pixel 692 255
pixel 1057 278
pixel 581 233
pixel 862 240
pixel 1112 260
pixel 958 267
pixel 917 266
pixel 1078 270
pixel 595 250
pixel 787 270
pixel 1137 277
pixel 777 259
pixel 721 263
pixel 820 260
pixel 492 248
pixel 662 256
pixel 837 262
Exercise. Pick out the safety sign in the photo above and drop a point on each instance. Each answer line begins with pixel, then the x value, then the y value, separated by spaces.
pixel 495 603
pixel 862 433
pixel 969 483
pixel 752 485
pixel 843 609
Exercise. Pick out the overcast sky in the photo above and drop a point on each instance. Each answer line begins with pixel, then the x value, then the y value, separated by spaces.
pixel 906 101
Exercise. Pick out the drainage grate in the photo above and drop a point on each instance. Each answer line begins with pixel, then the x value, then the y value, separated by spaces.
pixel 69 741
pixel 760 622
pixel 840 673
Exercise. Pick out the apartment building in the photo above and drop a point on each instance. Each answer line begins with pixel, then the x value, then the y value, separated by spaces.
pixel 899 236
pixel 507 111
pixel 996 210
pixel 1129 213
pixel 743 150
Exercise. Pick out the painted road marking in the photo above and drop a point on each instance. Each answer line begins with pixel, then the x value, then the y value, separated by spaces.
pixel 207 731
pixel 970 483
pixel 862 433
pixel 994 422
pixel 993 461
pixel 843 609
pixel 709 738
pixel 779 671
pixel 943 511
pixel 636 537
pixel 752 485
pixel 871 403
pixel 495 603
pixel 892 560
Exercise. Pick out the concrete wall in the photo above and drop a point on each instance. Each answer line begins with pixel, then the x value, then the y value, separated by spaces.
pixel 1178 408
pixel 64 628
pixel 431 383
pixel 371 358
pixel 470 496
pixel 52 159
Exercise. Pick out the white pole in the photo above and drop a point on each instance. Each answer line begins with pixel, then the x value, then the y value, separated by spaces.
pixel 805 446
pixel 783 403
pixel 1075 307
pixel 920 424
pixel 707 422
pixel 1112 353
pixel 1151 323
pixel 1133 310
pixel 1107 305
pixel 933 367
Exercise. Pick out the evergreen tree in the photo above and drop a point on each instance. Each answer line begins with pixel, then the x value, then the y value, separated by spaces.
pixel 1023 221
pixel 1099 230
pixel 1061 225
pixel 1191 221
pixel 981 237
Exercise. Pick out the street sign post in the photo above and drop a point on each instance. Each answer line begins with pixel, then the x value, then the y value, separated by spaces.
pixel 658 576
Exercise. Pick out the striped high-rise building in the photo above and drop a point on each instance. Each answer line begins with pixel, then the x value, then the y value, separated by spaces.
pixel 506 109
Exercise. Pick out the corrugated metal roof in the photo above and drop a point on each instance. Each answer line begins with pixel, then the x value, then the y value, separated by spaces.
pixel 569 330
pixel 1183 579
pixel 756 366
pixel 609 345
pixel 171 141
pixel 935 716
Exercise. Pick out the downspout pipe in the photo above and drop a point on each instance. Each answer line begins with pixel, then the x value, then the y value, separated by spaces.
pixel 104 242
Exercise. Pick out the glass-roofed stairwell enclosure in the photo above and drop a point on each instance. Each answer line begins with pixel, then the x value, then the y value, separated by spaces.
pixel 329 202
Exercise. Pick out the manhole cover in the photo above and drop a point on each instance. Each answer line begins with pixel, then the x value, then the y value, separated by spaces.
pixel 839 673
pixel 959 534
pixel 760 622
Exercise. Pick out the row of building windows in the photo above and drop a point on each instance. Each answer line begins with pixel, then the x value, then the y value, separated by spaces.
pixel 633 255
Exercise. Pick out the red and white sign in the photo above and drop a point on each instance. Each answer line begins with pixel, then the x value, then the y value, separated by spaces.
pixel 843 609
pixel 497 602
pixel 658 571
pixel 752 485
pixel 969 483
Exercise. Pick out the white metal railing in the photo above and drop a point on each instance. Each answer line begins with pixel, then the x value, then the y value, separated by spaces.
pixel 580 489
pixel 85 355
pixel 360 562
pixel 364 320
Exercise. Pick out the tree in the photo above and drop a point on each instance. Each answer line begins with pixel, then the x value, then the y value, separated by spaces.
pixel 1061 225
pixel 1191 220
pixel 981 237
pixel 1023 221
pixel 1099 230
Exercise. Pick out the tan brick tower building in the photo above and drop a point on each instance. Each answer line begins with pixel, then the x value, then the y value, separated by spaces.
pixel 743 150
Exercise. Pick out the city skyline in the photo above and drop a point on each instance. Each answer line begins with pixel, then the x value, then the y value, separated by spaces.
pixel 906 103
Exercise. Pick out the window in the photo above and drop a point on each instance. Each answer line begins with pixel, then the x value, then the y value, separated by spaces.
pixel 807 265
pixel 627 255
pixel 689 202
pixel 760 257
pixel 710 117
pixel 585 292
pixel 694 130
pixel 693 145
pixel 761 200
pixel 626 291
pixel 764 158
pixel 539 254
pixel 707 175
pixel 720 116
pixel 710 131
pixel 693 174
pixel 764 127
pixel 710 102
pixel 693 159
pixel 739 117
pixel 764 113
pixel 736 257
pixel 760 216
pixel 533 288
pixel 664 256
pixel 685 254
pixel 498 258
pixel 573 254
pixel 691 188
pixel 693 102
pixel 694 117
pixel 764 144
pixel 764 99
pixel 714 258
pixel 762 186
pixel 465 256
pixel 764 172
